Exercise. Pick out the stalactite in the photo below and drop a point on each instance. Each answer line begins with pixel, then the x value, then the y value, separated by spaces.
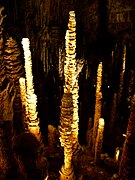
pixel 31 98
pixel 122 74
pixel 97 114
pixel 99 141
pixel 127 164
pixel 65 130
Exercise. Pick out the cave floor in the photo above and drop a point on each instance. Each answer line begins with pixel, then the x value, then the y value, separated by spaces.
pixel 83 165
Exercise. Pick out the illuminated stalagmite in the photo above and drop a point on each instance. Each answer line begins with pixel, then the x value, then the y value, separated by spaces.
pixel 23 100
pixel 31 98
pixel 99 140
pixel 122 74
pixel 127 164
pixel 65 130
pixel 97 114
pixel 7 94
pixel 6 87
pixel 71 73
pixel 14 69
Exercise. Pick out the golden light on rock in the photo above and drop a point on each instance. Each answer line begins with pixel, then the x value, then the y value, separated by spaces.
pixel 23 100
pixel 97 114
pixel 69 109
pixel 117 153
pixel 99 140
pixel 31 98
pixel 70 72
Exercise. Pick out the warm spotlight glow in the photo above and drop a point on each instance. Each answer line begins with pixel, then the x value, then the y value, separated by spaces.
pixel 31 98
pixel 117 153
pixel 69 124
pixel 70 72
pixel 23 98
pixel 97 114
pixel 99 140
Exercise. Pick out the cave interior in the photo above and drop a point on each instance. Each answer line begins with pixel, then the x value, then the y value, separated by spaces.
pixel 104 32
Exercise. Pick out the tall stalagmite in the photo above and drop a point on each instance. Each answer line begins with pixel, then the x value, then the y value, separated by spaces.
pixel 127 164
pixel 31 98
pixel 66 136
pixel 97 114
pixel 14 69
pixel 122 74
pixel 70 73
pixel 23 100
pixel 8 164
pixel 99 141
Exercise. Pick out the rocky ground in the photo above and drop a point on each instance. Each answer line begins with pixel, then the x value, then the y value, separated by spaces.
pixel 84 168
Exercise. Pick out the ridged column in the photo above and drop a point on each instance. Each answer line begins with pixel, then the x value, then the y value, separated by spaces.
pixel 31 98
pixel 65 130
pixel 70 73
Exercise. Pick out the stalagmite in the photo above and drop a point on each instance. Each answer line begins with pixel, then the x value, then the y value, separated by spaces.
pixel 99 140
pixel 7 94
pixel 71 74
pixel 31 98
pixel 122 74
pixel 97 114
pixel 52 139
pixel 127 164
pixel 60 64
pixel 14 68
pixel 23 100
pixel 65 130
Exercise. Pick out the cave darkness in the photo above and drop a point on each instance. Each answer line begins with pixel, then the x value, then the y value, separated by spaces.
pixel 103 28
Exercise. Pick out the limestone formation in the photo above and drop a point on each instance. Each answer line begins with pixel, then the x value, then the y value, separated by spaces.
pixel 66 136
pixel 97 114
pixel 13 68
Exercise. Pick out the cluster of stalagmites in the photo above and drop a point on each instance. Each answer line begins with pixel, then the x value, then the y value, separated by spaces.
pixel 21 155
